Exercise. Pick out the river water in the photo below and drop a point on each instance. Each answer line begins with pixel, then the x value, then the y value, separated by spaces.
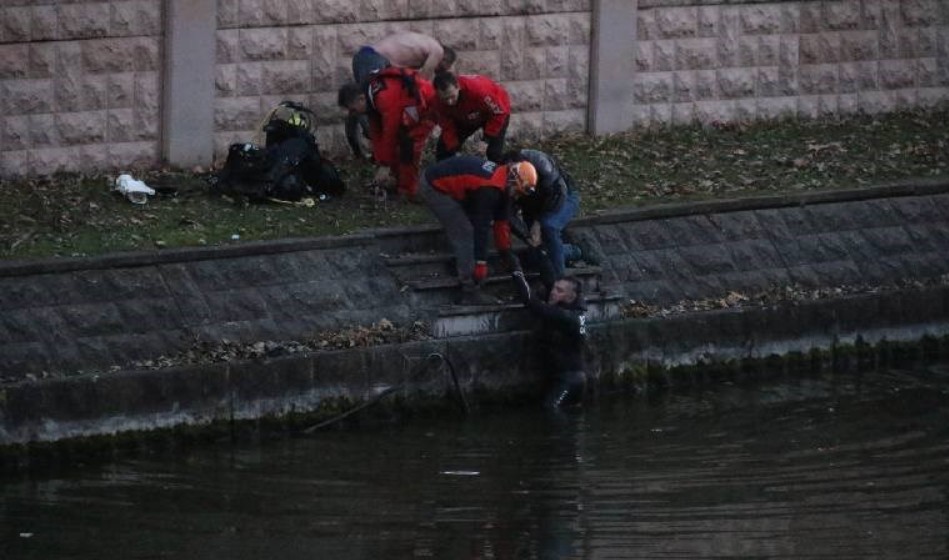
pixel 839 466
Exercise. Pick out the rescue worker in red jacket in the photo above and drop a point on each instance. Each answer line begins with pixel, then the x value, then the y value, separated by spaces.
pixel 406 49
pixel 401 109
pixel 469 103
pixel 470 195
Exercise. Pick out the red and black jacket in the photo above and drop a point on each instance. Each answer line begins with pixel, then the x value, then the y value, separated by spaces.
pixel 402 107
pixel 481 187
pixel 482 103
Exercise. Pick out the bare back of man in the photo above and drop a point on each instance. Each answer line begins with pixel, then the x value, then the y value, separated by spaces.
pixel 406 49
pixel 412 50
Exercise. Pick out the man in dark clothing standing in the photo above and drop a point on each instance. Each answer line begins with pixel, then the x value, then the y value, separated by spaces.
pixel 549 208
pixel 561 337
pixel 470 195
pixel 466 104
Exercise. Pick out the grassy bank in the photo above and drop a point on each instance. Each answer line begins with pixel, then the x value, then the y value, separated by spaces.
pixel 71 215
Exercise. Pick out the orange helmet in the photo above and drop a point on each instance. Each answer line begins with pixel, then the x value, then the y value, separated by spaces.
pixel 524 176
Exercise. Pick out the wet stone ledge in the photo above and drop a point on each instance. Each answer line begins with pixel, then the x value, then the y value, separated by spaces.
pixel 626 353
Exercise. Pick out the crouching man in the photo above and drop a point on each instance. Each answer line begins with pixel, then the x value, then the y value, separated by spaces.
pixel 561 337
pixel 470 196
pixel 399 104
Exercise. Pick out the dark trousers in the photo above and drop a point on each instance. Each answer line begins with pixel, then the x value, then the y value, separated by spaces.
pixel 357 135
pixel 566 389
pixel 495 144
pixel 366 62
pixel 451 214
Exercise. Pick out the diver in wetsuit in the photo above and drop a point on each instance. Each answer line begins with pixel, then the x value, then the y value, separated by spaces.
pixel 561 334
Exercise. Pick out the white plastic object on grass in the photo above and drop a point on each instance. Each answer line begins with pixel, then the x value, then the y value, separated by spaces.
pixel 136 191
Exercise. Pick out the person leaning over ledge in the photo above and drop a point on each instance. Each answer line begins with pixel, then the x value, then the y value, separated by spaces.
pixel 548 209
pixel 468 195
pixel 399 105
pixel 405 49
pixel 467 104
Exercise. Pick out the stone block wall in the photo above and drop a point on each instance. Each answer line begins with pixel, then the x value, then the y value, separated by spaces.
pixel 268 51
pixel 726 61
pixel 140 306
pixel 83 82
pixel 752 250
pixel 79 85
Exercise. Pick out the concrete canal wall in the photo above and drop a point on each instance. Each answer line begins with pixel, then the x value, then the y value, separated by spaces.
pixel 628 353
pixel 70 328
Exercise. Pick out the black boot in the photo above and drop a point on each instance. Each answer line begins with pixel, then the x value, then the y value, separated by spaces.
pixel 590 252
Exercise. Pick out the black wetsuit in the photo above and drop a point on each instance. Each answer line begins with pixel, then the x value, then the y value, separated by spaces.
pixel 561 334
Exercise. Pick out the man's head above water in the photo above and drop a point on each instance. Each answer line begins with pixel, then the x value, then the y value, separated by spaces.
pixel 564 291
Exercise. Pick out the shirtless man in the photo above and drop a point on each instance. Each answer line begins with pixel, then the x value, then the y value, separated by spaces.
pixel 407 49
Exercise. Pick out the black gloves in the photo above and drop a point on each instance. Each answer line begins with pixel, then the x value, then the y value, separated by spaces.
pixel 510 261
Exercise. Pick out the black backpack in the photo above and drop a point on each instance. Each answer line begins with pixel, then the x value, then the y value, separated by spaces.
pixel 289 166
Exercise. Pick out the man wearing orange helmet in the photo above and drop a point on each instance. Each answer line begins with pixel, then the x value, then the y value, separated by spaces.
pixel 548 208
pixel 470 195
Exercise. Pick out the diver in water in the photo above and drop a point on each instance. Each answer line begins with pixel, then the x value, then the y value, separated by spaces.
pixel 561 333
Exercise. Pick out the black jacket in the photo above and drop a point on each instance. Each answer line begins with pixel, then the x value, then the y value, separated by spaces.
pixel 553 184
pixel 561 330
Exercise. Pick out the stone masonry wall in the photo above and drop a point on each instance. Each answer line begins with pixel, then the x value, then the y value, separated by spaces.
pixel 715 62
pixel 142 306
pixel 269 51
pixel 81 80
pixel 79 85
pixel 749 250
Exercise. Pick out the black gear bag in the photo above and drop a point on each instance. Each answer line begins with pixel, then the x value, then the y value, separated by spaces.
pixel 289 167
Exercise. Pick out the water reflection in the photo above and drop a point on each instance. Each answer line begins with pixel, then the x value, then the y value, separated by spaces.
pixel 850 466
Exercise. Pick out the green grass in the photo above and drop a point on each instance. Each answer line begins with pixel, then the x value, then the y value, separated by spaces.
pixel 71 215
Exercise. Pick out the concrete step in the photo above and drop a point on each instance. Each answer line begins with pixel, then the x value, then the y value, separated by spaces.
pixel 431 272
pixel 407 267
pixel 443 291
pixel 429 280
pixel 435 259
pixel 418 239
pixel 587 275
pixel 457 320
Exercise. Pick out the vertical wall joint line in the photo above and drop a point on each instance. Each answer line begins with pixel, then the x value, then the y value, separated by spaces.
pixel 612 65
pixel 188 96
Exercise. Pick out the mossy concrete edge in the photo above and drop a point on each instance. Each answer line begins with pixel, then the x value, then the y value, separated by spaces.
pixel 494 367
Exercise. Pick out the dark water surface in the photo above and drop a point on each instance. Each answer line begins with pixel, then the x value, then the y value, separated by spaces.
pixel 844 466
